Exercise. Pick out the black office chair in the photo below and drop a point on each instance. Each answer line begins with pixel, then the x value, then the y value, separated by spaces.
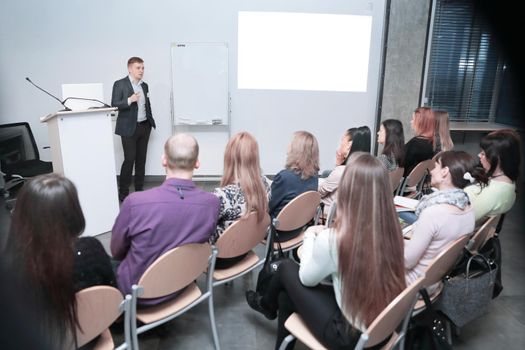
pixel 19 156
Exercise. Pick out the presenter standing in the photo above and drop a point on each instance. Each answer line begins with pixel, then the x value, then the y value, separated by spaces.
pixel 134 122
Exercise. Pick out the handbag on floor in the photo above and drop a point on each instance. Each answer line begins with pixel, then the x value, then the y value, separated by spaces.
pixel 274 257
pixel 426 330
pixel 467 295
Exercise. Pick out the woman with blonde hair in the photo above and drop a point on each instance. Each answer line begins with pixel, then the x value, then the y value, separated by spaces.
pixel 362 253
pixel 442 136
pixel 243 188
pixel 300 175
pixel 421 146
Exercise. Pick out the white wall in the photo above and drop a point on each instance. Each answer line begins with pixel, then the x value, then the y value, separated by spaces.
pixel 55 42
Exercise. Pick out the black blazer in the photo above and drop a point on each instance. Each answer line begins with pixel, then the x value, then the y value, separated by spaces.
pixel 127 114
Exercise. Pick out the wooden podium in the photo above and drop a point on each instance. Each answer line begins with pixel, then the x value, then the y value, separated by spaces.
pixel 82 150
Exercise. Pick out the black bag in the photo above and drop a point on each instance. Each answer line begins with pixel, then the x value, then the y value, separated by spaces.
pixel 467 296
pixel 427 329
pixel 274 258
pixel 490 250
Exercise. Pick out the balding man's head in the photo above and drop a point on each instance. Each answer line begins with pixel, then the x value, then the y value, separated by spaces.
pixel 181 152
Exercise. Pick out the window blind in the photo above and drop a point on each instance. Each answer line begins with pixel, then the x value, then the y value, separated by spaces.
pixel 464 64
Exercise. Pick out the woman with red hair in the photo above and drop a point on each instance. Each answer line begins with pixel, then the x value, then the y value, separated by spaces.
pixel 421 146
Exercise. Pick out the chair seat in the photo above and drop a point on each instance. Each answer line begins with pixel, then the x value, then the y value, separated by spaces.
pixel 105 341
pixel 297 327
pixel 167 308
pixel 249 260
pixel 28 168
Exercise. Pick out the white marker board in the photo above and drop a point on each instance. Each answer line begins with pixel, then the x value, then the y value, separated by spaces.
pixel 200 83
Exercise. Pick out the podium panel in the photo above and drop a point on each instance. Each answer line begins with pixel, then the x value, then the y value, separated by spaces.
pixel 82 150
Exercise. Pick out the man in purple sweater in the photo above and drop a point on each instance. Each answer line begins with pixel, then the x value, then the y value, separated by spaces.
pixel 154 221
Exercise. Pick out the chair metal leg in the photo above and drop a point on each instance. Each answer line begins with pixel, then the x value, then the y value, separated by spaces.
pixel 286 341
pixel 212 322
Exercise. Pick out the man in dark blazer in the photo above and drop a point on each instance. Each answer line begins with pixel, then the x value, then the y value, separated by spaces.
pixel 134 122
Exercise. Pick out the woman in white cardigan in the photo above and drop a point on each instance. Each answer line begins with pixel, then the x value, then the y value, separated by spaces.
pixel 444 215
pixel 364 261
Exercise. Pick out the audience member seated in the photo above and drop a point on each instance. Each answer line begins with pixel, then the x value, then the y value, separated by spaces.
pixel 444 215
pixel 353 140
pixel 41 252
pixel 365 263
pixel 299 175
pixel 500 157
pixel 421 146
pixel 157 220
pixel 442 133
pixel 391 136
pixel 243 188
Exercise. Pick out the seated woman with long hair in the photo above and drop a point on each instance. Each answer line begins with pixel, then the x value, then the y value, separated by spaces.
pixel 391 136
pixel 243 188
pixel 421 146
pixel 353 140
pixel 500 157
pixel 442 134
pixel 299 175
pixel 364 261
pixel 444 215
pixel 52 262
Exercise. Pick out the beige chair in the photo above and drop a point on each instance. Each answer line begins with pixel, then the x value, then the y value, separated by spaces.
pixel 413 183
pixel 331 215
pixel 396 179
pixel 434 274
pixel 481 234
pixel 239 238
pixel 296 214
pixel 175 270
pixel 439 268
pixel 395 316
pixel 97 308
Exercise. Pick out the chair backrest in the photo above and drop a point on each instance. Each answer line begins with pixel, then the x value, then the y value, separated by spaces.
pixel 392 316
pixel 331 215
pixel 418 173
pixel 480 236
pixel 242 236
pixel 445 260
pixel 97 308
pixel 17 143
pixel 299 211
pixel 175 269
pixel 395 178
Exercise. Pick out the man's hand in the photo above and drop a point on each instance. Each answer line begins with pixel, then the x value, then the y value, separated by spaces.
pixel 134 97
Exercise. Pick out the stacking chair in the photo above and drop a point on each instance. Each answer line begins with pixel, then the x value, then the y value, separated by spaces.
pixel 440 267
pixel 175 270
pixel 19 156
pixel 296 214
pixel 396 179
pixel 481 235
pixel 436 271
pixel 241 237
pixel 395 316
pixel 413 183
pixel 97 308
pixel 331 215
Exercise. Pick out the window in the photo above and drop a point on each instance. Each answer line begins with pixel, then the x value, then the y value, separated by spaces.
pixel 464 65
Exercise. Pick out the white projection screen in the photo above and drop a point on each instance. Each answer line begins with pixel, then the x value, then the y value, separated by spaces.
pixel 303 51
pixel 315 67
